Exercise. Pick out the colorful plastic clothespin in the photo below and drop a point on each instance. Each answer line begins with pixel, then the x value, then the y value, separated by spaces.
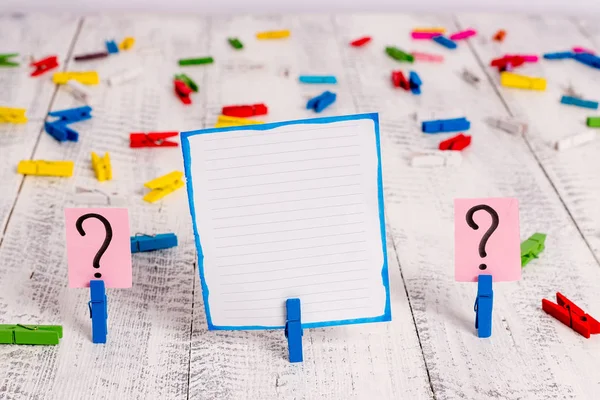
pixel 511 80
pixel 436 158
pixel 9 115
pixel 424 35
pixel 112 47
pixel 321 102
pixel 444 41
pixel 593 122
pixel 399 80
pixel 224 121
pixel 102 167
pixel 163 186
pixel 293 329
pixel 72 115
pixel 360 42
pixel 79 91
pixel 575 140
pixel 532 247
pixel 559 56
pixel 273 35
pixel 235 43
pixel 44 65
pixel 427 57
pixel 91 56
pixel 457 143
pixel 145 243
pixel 435 29
pixel 87 78
pixel 98 306
pixel 499 36
pixel 508 62
pixel 152 139
pixel 569 314
pixel 469 77
pixel 446 125
pixel 60 131
pixel 125 76
pixel 196 61
pixel 5 62
pixel 399 55
pixel 183 91
pixel 415 82
pixel 574 101
pixel 188 81
pixel 244 111
pixel 463 34
pixel 588 59
pixel 509 126
pixel 127 43
pixel 328 79
pixel 483 306
pixel 30 334
pixel 46 168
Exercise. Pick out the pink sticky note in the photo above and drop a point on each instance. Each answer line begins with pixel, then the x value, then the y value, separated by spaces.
pixel 502 251
pixel 98 225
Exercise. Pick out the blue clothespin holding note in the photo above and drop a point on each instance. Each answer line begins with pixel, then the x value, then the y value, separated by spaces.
pixel 98 311
pixel 153 242
pixel 293 329
pixel 483 306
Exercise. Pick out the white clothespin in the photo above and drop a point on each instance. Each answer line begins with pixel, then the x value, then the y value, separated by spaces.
pixel 125 76
pixel 436 158
pixel 79 91
pixel 509 126
pixel 575 140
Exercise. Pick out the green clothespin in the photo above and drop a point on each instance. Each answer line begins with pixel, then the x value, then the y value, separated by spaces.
pixel 4 62
pixel 30 334
pixel 399 55
pixel 196 61
pixel 532 247
pixel 235 43
pixel 188 81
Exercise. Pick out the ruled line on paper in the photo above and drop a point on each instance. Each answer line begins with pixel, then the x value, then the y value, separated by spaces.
pixel 286 191
pixel 303 303
pixel 243 134
pixel 282 162
pixel 303 294
pixel 289 259
pixel 288 211
pixel 291 220
pixel 294 277
pixel 290 230
pixel 282 152
pixel 291 240
pixel 287 201
pixel 284 172
pixel 297 286
pixel 295 268
pixel 244 316
pixel 280 182
pixel 275 143
pixel 293 249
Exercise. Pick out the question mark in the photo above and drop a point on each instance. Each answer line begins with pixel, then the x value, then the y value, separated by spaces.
pixel 107 237
pixel 491 229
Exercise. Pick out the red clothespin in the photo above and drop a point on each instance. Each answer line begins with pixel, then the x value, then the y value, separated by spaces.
pixel 457 142
pixel 569 314
pixel 44 65
pixel 244 111
pixel 508 62
pixel 399 80
pixel 361 42
pixel 183 92
pixel 152 139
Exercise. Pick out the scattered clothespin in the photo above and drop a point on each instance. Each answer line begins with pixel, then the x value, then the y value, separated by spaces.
pixel 529 58
pixel 415 82
pixel 499 36
pixel 360 42
pixel 444 41
pixel 532 247
pixel 582 50
pixel 244 111
pixel 446 125
pixel 183 91
pixel 6 62
pixel 593 122
pixel 9 115
pixel 575 140
pixel 46 168
pixel 483 306
pixel 509 126
pixel 102 167
pixel 44 65
pixel 321 102
pixel 470 77
pixel 457 143
pixel 79 91
pixel 427 57
pixel 98 306
pixel 196 61
pixel 463 34
pixel 224 121
pixel 399 55
pixel 509 79
pixel 273 35
pixel 424 35
pixel 559 56
pixel 72 115
pixel 87 78
pixel 112 47
pixel 127 43
pixel 436 29
pixel 152 139
pixel 588 59
pixel 293 329
pixel 145 243
pixel 507 62
pixel 125 76
pixel 59 130
pixel 435 158
pixel 235 43
pixel 163 186
pixel 91 56
pixel 399 80
pixel 329 79
pixel 574 101
pixel 188 81
pixel 30 334
pixel 569 314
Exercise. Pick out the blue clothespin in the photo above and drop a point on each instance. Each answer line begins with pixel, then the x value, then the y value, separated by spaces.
pixel 483 306
pixel 98 311
pixel 293 329
pixel 444 41
pixel 588 59
pixel 415 82
pixel 321 102
pixel 574 101
pixel 559 56
pixel 60 131
pixel 112 47
pixel 317 79
pixel 446 125
pixel 71 115
pixel 156 242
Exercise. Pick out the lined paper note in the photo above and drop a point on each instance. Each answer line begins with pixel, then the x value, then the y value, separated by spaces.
pixel 289 210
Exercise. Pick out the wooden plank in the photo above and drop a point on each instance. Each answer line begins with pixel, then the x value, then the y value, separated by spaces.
pixel 147 354
pixel 364 361
pixel 573 171
pixel 28 35
pixel 530 355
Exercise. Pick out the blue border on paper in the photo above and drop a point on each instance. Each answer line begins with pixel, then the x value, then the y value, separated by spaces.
pixel 185 147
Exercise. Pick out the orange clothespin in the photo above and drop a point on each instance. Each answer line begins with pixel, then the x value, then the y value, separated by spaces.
pixel 44 65
pixel 499 36
pixel 152 139
pixel 569 314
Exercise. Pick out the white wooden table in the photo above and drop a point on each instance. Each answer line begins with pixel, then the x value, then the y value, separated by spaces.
pixel 159 346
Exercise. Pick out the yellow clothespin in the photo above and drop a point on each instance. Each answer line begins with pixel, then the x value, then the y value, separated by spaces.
pixel 127 43
pixel 224 121
pixel 87 78
pixel 102 167
pixel 163 186
pixel 432 29
pixel 272 35
pixel 12 115
pixel 509 79
pixel 45 168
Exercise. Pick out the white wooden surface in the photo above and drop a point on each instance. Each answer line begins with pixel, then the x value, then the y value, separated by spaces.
pixel 159 346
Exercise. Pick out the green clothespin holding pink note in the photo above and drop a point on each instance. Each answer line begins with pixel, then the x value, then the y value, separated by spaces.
pixel 4 60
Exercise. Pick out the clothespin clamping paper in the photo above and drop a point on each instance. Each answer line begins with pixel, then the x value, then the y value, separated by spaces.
pixel 98 311
pixel 44 65
pixel 9 115
pixel 483 306
pixel 163 186
pixel 569 314
pixel 152 139
pixel 102 167
pixel 293 329
pixel 30 334
pixel 143 243
pixel 532 247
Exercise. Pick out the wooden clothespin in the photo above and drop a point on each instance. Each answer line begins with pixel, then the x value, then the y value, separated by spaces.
pixel 569 314
pixel 152 139
pixel 46 168
pixel 5 62
pixel 102 167
pixel 30 334
pixel 293 329
pixel 145 243
pixel 44 65
pixel 163 186
pixel 98 306
pixel 532 247
pixel 11 115
pixel 483 306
